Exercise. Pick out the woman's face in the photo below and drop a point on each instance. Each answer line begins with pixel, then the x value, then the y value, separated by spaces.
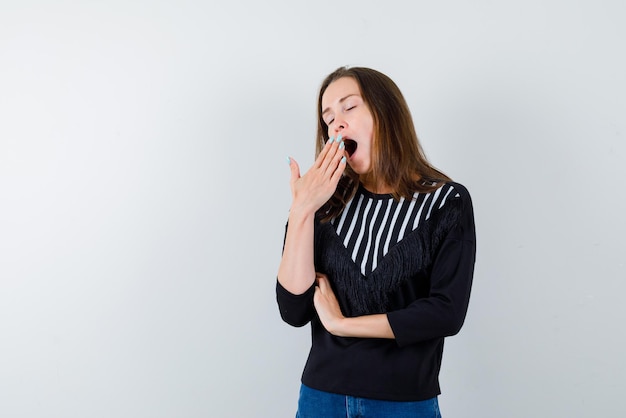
pixel 345 113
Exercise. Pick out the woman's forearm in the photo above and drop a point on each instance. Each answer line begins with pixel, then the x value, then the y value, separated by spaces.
pixel 368 326
pixel 296 272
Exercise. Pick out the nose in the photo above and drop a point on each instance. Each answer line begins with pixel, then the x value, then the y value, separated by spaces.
pixel 340 125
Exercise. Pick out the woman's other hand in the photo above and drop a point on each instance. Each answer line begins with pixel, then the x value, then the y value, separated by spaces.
pixel 327 305
pixel 329 312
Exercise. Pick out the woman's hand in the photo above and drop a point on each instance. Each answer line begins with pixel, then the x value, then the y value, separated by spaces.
pixel 327 305
pixel 329 312
pixel 310 191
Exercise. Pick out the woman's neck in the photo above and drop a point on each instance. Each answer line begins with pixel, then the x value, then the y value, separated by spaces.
pixel 375 187
pixel 378 187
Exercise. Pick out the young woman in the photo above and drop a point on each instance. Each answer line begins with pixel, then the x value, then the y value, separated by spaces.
pixel 378 256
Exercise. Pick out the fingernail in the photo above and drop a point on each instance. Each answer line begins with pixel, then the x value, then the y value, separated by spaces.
pixel 331 139
pixel 339 137
pixel 343 160
pixel 289 160
pixel 342 145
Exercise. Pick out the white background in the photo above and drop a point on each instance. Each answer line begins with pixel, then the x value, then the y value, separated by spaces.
pixel 144 193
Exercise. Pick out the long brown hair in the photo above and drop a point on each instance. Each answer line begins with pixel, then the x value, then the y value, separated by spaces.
pixel 398 159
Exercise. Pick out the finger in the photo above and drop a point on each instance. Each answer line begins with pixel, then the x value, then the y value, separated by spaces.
pixel 332 148
pixel 317 298
pixel 322 155
pixel 341 167
pixel 322 283
pixel 333 156
pixel 335 164
pixel 295 170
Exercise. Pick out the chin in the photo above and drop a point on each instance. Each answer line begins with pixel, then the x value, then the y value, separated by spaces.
pixel 359 169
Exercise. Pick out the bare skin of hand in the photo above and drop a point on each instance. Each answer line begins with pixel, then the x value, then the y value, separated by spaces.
pixel 316 186
pixel 329 312
pixel 327 305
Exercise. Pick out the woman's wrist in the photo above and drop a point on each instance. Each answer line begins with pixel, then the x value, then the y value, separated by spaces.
pixel 301 213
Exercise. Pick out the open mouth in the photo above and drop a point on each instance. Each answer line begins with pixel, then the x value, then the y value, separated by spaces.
pixel 350 146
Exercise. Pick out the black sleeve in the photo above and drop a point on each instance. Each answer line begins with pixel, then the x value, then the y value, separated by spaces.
pixel 296 310
pixel 443 312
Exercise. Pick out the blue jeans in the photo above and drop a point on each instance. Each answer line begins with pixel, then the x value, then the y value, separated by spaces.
pixel 317 404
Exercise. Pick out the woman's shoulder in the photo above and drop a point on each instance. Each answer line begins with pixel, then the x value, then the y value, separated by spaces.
pixel 451 200
pixel 462 205
pixel 445 189
pixel 460 191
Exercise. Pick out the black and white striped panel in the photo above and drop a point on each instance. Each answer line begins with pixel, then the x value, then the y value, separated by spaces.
pixel 370 224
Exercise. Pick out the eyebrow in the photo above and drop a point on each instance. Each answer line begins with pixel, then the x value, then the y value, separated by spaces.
pixel 343 99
